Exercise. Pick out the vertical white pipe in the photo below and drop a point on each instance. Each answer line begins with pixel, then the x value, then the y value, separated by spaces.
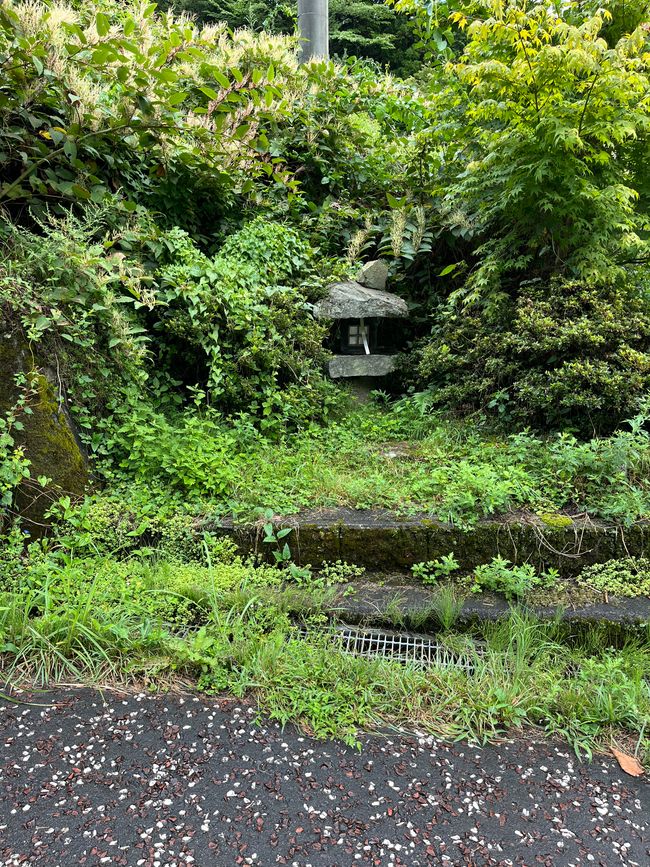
pixel 313 28
pixel 364 337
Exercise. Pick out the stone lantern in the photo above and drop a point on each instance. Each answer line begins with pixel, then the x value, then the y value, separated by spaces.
pixel 364 337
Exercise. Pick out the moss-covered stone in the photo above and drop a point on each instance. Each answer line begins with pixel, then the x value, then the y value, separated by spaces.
pixel 382 542
pixel 384 548
pixel 48 436
pixel 313 545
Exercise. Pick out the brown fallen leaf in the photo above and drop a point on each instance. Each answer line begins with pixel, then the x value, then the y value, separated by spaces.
pixel 629 764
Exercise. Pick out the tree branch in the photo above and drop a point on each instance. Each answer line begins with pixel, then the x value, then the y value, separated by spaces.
pixel 588 97
pixel 530 66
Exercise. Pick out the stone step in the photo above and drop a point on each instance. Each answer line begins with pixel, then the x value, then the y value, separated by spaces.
pixel 364 602
pixel 382 541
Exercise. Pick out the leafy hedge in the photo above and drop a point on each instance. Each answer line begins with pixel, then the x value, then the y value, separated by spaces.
pixel 560 354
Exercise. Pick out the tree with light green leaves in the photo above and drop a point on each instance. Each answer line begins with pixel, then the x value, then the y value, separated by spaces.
pixel 544 124
pixel 538 152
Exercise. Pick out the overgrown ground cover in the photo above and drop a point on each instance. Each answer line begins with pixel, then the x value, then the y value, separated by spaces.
pixel 198 613
pixel 126 589
pixel 174 199
pixel 401 457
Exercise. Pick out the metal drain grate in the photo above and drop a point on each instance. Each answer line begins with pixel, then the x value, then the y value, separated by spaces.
pixel 408 647
pixel 420 650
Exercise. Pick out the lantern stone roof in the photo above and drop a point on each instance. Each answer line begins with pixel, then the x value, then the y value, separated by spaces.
pixel 351 300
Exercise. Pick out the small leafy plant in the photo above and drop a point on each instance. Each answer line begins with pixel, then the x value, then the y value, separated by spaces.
pixel 430 571
pixel 502 576
pixel 14 464
pixel 273 536
pixel 629 576
pixel 282 553
pixel 340 572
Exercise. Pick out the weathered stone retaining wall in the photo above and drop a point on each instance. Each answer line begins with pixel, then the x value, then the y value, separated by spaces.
pixel 381 541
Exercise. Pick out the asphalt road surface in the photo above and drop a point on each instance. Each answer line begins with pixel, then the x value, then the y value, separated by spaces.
pixel 175 780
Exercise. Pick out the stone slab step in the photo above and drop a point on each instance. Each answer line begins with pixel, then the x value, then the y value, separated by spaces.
pixel 368 602
pixel 380 540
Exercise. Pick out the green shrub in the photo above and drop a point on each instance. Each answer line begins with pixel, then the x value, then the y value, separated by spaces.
pixel 562 354
pixel 66 292
pixel 140 81
pixel 244 316
pixel 186 453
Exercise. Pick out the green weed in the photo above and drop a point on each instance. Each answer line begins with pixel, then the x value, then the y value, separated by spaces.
pixel 515 582
pixel 431 570
pixel 627 577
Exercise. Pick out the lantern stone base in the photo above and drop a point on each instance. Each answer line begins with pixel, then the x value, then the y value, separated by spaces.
pixel 344 366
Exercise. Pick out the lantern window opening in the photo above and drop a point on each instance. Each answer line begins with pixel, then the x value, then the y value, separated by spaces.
pixel 358 335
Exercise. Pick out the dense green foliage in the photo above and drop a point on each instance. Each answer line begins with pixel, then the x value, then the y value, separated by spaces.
pixel 542 141
pixel 522 156
pixel 174 199
pixel 515 582
pixel 93 101
pixel 166 232
pixel 451 472
pixel 560 353
pixel 552 116
pixel 627 577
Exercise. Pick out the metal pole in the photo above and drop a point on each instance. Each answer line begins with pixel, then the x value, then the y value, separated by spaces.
pixel 313 27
